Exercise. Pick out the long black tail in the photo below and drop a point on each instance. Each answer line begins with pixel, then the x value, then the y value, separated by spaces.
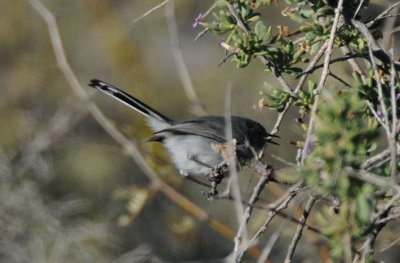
pixel 129 100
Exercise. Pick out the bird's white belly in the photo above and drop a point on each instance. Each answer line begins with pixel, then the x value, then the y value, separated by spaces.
pixel 192 154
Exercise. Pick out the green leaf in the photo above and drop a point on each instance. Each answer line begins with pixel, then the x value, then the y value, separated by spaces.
pixel 314 48
pixel 363 209
pixel 306 13
pixel 372 147
pixel 325 11
pixel 312 85
pixel 261 30
pixel 254 17
pixel 357 78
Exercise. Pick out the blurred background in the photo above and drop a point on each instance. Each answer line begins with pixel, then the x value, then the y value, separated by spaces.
pixel 69 193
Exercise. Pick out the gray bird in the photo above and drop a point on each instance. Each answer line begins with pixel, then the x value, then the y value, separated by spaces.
pixel 190 143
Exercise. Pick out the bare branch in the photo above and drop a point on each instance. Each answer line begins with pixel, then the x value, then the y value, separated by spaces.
pixel 347 56
pixel 393 243
pixel 358 8
pixel 300 227
pixel 201 33
pixel 393 134
pixel 390 130
pixel 378 159
pixel 300 84
pixel 270 244
pixel 241 239
pixel 368 37
pixel 151 10
pixel 353 63
pixel 389 218
pixel 309 139
pixel 198 106
pixel 339 79
pixel 272 207
pixel 383 14
pixel 367 249
pixel 281 204
pixel 249 209
pixel 373 179
pixel 377 117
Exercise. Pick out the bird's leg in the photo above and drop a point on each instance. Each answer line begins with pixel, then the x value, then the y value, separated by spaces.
pixel 216 173
pixel 193 158
pixel 213 186
pixel 212 191
pixel 215 177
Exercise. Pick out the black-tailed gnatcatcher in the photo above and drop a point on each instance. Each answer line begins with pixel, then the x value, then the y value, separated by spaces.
pixel 190 142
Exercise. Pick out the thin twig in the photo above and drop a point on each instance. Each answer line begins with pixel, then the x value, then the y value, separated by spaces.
pixel 270 244
pixel 346 57
pixel 390 16
pixel 388 219
pixel 372 179
pixel 393 135
pixel 278 206
pixel 272 207
pixel 379 158
pixel 201 33
pixel 339 79
pixel 386 208
pixel 380 90
pixel 205 30
pixel 151 10
pixel 198 106
pixel 373 46
pixel 358 8
pixel 390 130
pixel 383 14
pixel 367 249
pixel 310 133
pixel 395 30
pixel 238 19
pixel 222 61
pixel 300 84
pixel 390 245
pixel 353 63
pixel 284 161
pixel 241 238
pixel 347 248
pixel 299 230
pixel 377 117
pixel 249 209
pixel 388 27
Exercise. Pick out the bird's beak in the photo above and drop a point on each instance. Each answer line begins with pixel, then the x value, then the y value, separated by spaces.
pixel 272 142
pixel 269 139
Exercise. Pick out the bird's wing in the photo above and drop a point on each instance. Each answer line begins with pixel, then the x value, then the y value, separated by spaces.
pixel 203 129
pixel 212 127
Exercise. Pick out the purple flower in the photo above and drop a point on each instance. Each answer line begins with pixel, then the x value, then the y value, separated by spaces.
pixel 398 96
pixel 197 20
pixel 308 148
pixel 379 113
